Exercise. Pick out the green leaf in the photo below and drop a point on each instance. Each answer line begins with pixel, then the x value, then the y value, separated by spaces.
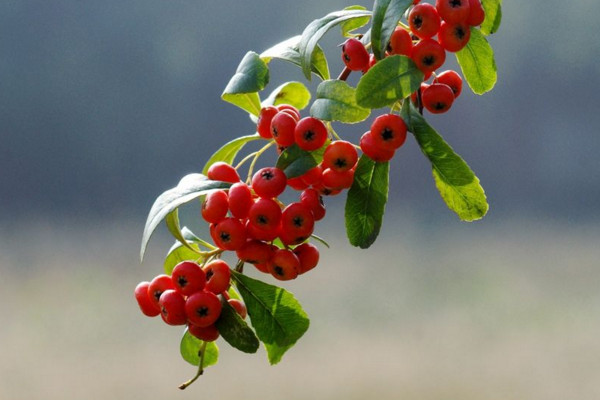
pixel 190 347
pixel 388 81
pixel 386 14
pixel 365 204
pixel 235 330
pixel 189 188
pixel 178 253
pixel 229 150
pixel 315 31
pixel 295 162
pixel 353 24
pixel 456 182
pixel 293 93
pixel 288 51
pixel 252 75
pixel 277 317
pixel 493 16
pixel 336 101
pixel 172 221
pixel 477 62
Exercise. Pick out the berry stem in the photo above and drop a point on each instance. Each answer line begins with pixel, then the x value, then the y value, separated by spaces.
pixel 344 74
pixel 201 352
pixel 257 154
pixel 239 267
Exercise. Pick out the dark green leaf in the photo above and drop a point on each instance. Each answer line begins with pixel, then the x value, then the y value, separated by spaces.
pixel 293 93
pixel 386 14
pixel 252 76
pixel 235 330
pixel 190 347
pixel 288 51
pixel 388 81
pixel 229 150
pixel 366 200
pixel 493 16
pixel 295 162
pixel 477 63
pixel 353 24
pixel 315 31
pixel 190 187
pixel 277 317
pixel 336 101
pixel 456 182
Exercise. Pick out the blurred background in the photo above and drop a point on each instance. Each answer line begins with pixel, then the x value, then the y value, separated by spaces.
pixel 104 105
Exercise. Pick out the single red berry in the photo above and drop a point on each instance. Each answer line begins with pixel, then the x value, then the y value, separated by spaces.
pixel 158 285
pixel 297 224
pixel 188 278
pixel 388 131
pixel 310 134
pixel 283 125
pixel 221 171
pixel 290 109
pixel 374 152
pixel 172 307
pixel 400 43
pixel 284 265
pixel 308 255
pixel 269 182
pixel 263 125
pixel 147 305
pixel 414 95
pixel 207 334
pixel 354 55
pixel 452 79
pixel 255 252
pixel 217 274
pixel 230 234
pixel 297 183
pixel 314 202
pixel 215 206
pixel 240 200
pixel 261 234
pixel 203 308
pixel 264 268
pixel 239 307
pixel 265 215
pixel 340 156
pixel 424 21
pixel 428 55
pixel 313 176
pixel 453 11
pixel 337 180
pixel 438 98
pixel 453 37
pixel 476 13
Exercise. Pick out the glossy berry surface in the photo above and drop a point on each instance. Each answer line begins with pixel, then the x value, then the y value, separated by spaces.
pixel 269 182
pixel 424 20
pixel 453 11
pixel 310 134
pixel 221 171
pixel 146 304
pixel 429 55
pixel 188 278
pixel 354 55
pixel 388 131
pixel 452 79
pixel 400 43
pixel 374 152
pixel 218 275
pixel 340 156
pixel 203 308
pixel 438 98
pixel 453 37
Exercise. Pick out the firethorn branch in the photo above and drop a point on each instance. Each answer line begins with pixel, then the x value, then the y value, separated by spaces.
pixel 201 353
pixel 256 157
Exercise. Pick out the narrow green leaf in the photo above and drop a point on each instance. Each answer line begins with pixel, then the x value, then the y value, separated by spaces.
pixel 386 14
pixel 456 182
pixel 353 24
pixel 477 63
pixel 336 101
pixel 388 81
pixel 172 221
pixel 178 253
pixel 293 93
pixel 229 150
pixel 252 76
pixel 235 330
pixel 277 317
pixel 493 16
pixel 190 347
pixel 189 188
pixel 315 31
pixel 288 51
pixel 365 204
pixel 295 162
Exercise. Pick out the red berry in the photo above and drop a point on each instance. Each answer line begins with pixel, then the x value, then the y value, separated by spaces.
pixel 453 11
pixel 283 125
pixel 354 55
pixel 476 13
pixel 284 265
pixel 297 183
pixel 207 334
pixel 255 252
pixel 310 134
pixel 313 176
pixel 414 95
pixel 375 153
pixel 215 206
pixel 297 224
pixel 428 55
pixel 388 131
pixel 240 200
pixel 314 202
pixel 372 61
pixel 290 109
pixel 269 182
pixel 452 79
pixel 217 274
pixel 203 308
pixel 158 285
pixel 438 98
pixel 265 215
pixel 263 126
pixel 172 308
pixel 308 255
pixel 400 42
pixel 147 305
pixel 239 307
pixel 424 20
pixel 453 37
pixel 340 156
pixel 188 278
pixel 337 180
pixel 230 234
pixel 221 171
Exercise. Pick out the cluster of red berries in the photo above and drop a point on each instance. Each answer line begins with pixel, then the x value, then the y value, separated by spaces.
pixel 192 296
pixel 450 21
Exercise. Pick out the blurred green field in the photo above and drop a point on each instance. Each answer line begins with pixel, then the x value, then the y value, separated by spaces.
pixel 506 311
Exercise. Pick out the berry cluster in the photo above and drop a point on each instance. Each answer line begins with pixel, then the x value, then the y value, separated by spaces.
pixel 191 296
